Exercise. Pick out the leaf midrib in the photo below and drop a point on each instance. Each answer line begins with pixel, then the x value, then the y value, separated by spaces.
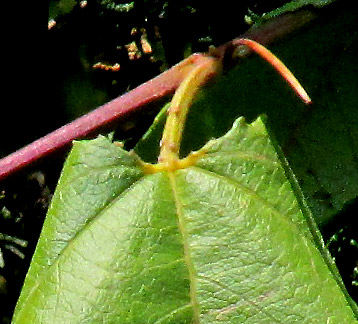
pixel 193 277
pixel 185 235
pixel 186 247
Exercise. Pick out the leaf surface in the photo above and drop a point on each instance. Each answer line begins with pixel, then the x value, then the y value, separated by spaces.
pixel 222 241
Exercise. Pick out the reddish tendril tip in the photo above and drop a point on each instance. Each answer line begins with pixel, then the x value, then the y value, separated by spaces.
pixel 277 64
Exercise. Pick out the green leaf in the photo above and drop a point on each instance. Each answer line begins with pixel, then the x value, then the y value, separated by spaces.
pixel 222 241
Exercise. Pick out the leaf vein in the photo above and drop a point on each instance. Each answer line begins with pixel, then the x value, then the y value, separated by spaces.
pixel 55 261
pixel 187 253
pixel 175 311
pixel 249 302
pixel 249 191
pixel 241 155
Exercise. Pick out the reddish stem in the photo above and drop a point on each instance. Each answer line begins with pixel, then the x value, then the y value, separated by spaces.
pixel 119 108
pixel 100 118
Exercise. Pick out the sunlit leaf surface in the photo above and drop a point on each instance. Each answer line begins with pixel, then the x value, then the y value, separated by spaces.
pixel 222 241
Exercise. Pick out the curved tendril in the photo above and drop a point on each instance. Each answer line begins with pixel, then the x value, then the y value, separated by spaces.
pixel 202 70
pixel 277 64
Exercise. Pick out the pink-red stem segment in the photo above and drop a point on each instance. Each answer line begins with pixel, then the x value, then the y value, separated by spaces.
pixel 116 110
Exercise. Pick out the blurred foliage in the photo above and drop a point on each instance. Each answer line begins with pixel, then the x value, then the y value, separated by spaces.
pixel 23 205
pixel 293 6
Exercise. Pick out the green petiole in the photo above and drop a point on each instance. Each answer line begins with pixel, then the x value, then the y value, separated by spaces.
pixel 203 70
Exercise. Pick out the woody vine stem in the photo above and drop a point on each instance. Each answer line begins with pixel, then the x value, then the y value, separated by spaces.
pixel 103 118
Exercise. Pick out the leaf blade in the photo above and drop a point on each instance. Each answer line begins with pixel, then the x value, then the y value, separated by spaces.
pixel 218 242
